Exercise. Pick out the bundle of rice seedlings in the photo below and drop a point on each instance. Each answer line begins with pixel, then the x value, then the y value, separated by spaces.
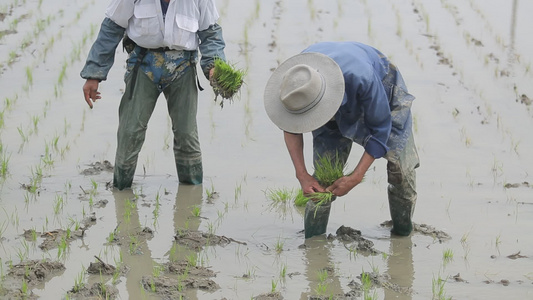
pixel 327 171
pixel 300 199
pixel 226 81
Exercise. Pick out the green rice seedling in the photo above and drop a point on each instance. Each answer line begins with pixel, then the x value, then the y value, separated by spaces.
pixel 227 80
pixel 279 245
pixel 283 271
pixel 300 199
pixel 328 169
pixel 279 195
pixel 29 76
pixel 274 286
pixel 79 281
pixel 4 164
pixel 23 135
pixel 192 259
pixel 196 211
pixel 24 289
pixel 58 204
pixel 134 244
pixel 2 123
pixel 437 288
pixel 172 255
pixel 156 271
pixel 238 189
pixel 447 256
pixel 62 248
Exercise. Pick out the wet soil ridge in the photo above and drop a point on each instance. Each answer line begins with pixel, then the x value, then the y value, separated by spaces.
pixel 60 237
pixel 424 229
pixel 197 240
pixel 177 277
pixel 349 235
pixel 23 277
pixel 98 167
pixel 97 290
pixel 383 281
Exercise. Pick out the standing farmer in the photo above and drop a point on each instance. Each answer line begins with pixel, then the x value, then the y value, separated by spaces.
pixel 346 92
pixel 162 38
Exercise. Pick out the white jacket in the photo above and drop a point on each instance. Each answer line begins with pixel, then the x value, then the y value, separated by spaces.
pixel 143 20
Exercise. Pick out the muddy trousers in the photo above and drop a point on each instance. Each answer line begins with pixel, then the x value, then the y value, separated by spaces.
pixel 400 172
pixel 182 99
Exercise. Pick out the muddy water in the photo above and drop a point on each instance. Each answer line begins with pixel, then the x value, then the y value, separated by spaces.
pixel 468 63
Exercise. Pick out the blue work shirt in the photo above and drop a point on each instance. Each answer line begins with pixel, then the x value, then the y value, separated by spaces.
pixel 376 109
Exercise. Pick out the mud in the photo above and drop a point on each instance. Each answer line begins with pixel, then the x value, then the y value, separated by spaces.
pixel 468 63
pixel 23 277
pixel 197 240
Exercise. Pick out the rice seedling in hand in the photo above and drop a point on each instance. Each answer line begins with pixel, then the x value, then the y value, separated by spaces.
pixel 327 171
pixel 300 199
pixel 226 80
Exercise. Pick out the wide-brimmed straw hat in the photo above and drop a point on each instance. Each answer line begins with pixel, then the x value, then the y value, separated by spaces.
pixel 304 92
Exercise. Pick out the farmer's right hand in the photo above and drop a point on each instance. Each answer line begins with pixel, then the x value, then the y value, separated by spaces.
pixel 90 91
pixel 309 184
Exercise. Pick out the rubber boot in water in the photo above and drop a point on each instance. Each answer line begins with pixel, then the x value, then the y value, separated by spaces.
pixel 316 218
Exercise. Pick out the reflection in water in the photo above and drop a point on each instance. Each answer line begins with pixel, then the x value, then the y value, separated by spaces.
pixel 320 269
pixel 400 266
pixel 135 252
pixel 134 249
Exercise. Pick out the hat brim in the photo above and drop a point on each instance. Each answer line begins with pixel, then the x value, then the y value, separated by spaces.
pixel 323 111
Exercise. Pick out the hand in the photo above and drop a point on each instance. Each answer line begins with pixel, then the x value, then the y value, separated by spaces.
pixel 90 91
pixel 310 185
pixel 344 184
pixel 211 77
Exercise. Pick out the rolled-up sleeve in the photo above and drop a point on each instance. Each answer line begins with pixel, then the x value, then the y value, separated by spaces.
pixel 211 46
pixel 102 54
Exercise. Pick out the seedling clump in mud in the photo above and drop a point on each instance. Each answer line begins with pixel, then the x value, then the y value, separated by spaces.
pixel 226 81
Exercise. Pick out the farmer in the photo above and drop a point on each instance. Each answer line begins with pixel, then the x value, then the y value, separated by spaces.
pixel 162 38
pixel 346 92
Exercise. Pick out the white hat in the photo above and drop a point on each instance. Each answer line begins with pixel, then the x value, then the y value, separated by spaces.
pixel 304 92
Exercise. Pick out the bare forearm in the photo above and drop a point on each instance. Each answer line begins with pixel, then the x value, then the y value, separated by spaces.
pixel 295 145
pixel 364 164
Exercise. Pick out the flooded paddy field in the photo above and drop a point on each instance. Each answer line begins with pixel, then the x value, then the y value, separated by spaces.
pixel 65 234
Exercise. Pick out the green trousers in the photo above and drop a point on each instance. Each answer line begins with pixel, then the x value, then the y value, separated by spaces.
pixel 135 112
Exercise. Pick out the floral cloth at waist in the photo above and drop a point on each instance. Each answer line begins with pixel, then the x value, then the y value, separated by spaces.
pixel 162 67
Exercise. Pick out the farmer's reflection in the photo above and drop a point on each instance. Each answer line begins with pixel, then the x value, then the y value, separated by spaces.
pixel 132 240
pixel 320 269
pixel 133 236
pixel 400 268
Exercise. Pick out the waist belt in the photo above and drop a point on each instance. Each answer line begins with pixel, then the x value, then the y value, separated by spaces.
pixel 162 49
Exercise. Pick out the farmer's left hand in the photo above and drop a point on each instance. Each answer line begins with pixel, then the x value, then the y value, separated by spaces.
pixel 344 184
pixel 211 78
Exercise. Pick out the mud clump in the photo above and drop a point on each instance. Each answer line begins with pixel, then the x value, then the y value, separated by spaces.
pixel 383 281
pixel 97 290
pixel 168 286
pixel 97 168
pixel 269 296
pixel 424 229
pixel 29 273
pixel 197 240
pixel 349 235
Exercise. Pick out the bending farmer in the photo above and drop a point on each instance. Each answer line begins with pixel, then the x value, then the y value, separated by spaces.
pixel 162 38
pixel 346 92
